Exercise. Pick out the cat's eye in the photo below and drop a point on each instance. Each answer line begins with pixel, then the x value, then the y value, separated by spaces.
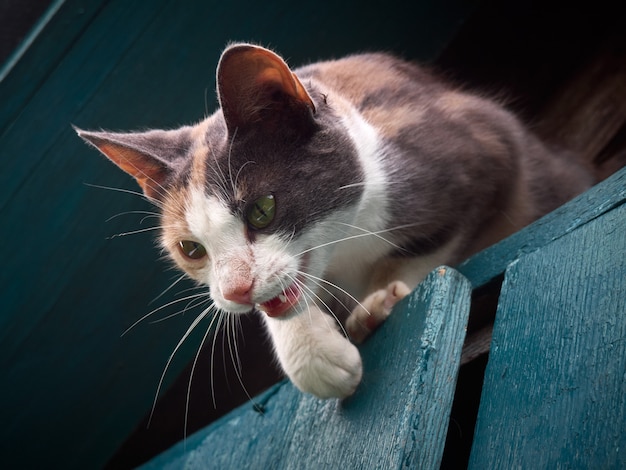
pixel 191 249
pixel 261 213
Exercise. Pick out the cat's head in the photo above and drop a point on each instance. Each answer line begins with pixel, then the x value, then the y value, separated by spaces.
pixel 253 197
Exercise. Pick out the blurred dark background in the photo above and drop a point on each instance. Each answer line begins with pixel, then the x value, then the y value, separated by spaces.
pixel 17 17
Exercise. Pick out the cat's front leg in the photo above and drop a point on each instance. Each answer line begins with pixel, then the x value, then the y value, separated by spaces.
pixel 315 355
pixel 374 310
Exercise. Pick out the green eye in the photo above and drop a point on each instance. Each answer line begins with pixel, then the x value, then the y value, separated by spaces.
pixel 261 213
pixel 191 249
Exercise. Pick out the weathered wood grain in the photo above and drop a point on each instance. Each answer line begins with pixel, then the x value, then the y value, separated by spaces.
pixel 555 386
pixel 397 419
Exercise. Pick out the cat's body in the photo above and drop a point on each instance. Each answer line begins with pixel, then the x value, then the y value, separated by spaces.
pixel 337 188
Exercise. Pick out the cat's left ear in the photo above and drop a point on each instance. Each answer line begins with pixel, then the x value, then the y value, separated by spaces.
pixel 150 157
pixel 257 88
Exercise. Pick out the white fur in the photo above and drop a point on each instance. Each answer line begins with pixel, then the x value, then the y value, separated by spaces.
pixel 230 253
pixel 315 355
pixel 365 236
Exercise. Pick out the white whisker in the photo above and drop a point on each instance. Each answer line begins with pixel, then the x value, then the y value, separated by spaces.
pixel 192 304
pixel 193 325
pixel 173 302
pixel 148 214
pixel 121 190
pixel 135 232
pixel 193 367
pixel 366 233
pixel 335 286
pixel 180 278
pixel 217 328
pixel 328 309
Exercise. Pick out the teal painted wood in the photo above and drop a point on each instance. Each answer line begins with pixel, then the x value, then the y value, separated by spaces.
pixel 555 386
pixel 492 262
pixel 72 389
pixel 397 419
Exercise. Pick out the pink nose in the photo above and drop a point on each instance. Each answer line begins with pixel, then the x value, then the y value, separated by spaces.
pixel 240 292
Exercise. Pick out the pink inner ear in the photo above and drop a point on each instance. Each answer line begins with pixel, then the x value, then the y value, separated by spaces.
pixel 148 173
pixel 270 76
pixel 244 74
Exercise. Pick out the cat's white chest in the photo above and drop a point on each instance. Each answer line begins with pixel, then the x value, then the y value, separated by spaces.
pixel 366 238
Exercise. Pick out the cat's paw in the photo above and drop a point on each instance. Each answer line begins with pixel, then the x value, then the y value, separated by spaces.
pixel 374 310
pixel 316 357
pixel 331 370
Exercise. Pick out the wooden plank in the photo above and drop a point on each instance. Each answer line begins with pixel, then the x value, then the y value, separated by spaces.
pixel 555 386
pixel 490 263
pixel 397 418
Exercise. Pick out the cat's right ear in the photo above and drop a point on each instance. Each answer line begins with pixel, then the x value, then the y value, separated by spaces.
pixel 256 88
pixel 141 155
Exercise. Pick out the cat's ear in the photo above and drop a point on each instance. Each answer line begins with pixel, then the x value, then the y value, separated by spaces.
pixel 150 157
pixel 257 88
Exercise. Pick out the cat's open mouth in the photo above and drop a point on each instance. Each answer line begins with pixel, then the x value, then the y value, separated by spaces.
pixel 282 303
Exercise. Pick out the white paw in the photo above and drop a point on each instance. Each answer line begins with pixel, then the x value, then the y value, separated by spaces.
pixel 315 355
pixel 333 370
pixel 374 310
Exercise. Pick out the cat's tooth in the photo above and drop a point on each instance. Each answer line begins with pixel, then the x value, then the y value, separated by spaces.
pixel 282 298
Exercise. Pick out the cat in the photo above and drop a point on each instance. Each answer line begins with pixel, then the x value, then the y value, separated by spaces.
pixel 322 196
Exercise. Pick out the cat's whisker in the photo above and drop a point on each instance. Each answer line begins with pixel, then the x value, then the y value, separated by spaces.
pixel 333 242
pixel 134 232
pixel 193 325
pixel 220 319
pixel 123 190
pixel 151 216
pixel 161 190
pixel 239 172
pixel 148 214
pixel 328 309
pixel 302 285
pixel 335 286
pixel 236 360
pixel 173 302
pixel 352 185
pixel 219 185
pixel 159 227
pixel 367 233
pixel 192 304
pixel 378 233
pixel 381 184
pixel 171 286
pixel 232 343
pixel 195 362
pixel 329 292
pixel 222 181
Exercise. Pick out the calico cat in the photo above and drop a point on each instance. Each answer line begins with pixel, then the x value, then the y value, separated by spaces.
pixel 322 196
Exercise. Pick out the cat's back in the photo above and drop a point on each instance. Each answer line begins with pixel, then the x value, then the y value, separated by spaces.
pixel 393 94
pixel 370 77
pixel 438 135
pixel 388 91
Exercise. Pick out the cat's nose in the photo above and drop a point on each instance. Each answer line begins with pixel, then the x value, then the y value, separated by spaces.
pixel 240 292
